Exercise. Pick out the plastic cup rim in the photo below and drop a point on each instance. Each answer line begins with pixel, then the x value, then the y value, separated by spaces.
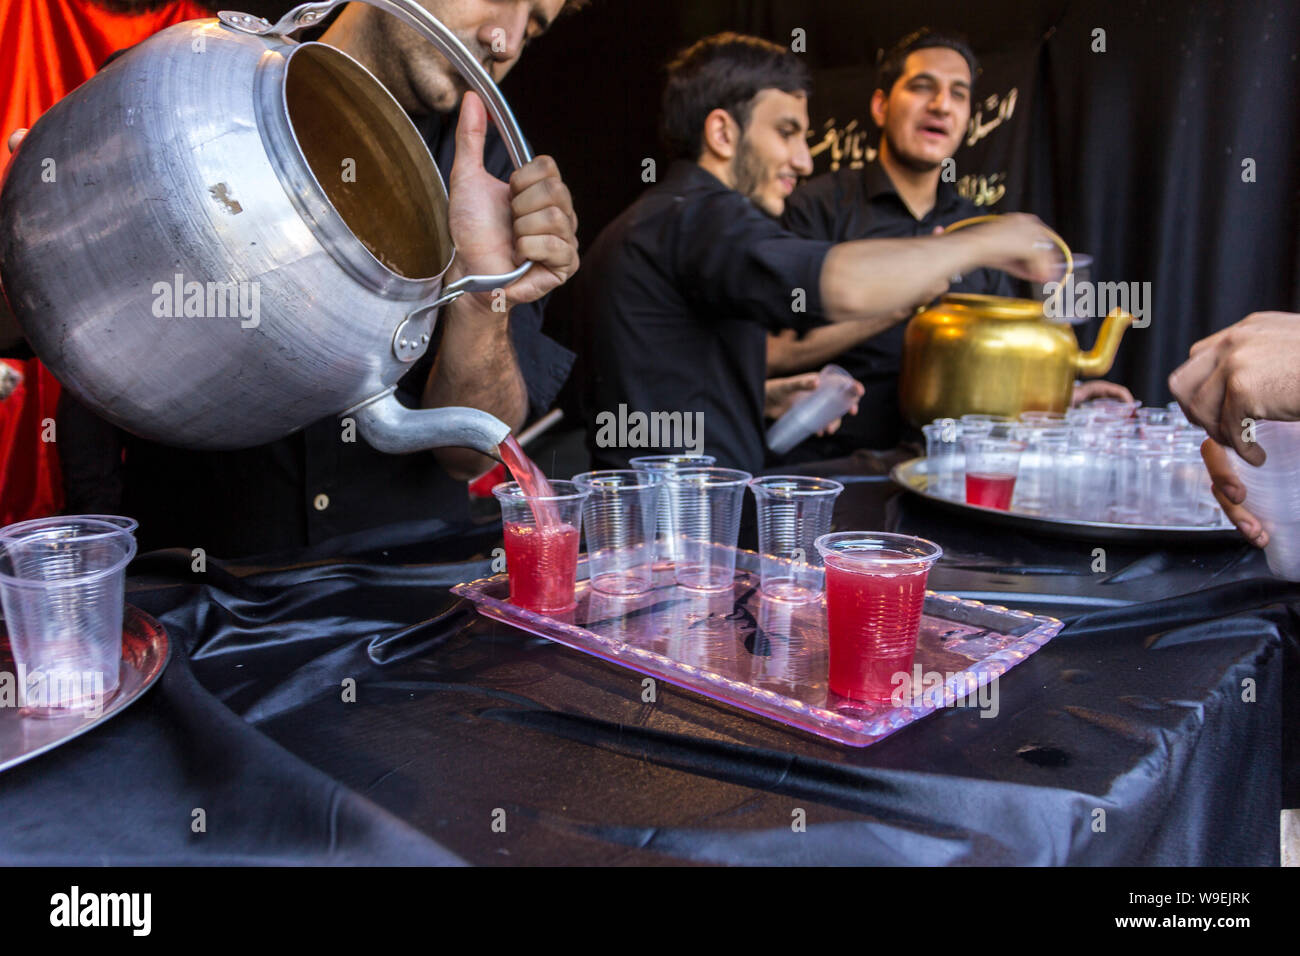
pixel 691 461
pixel 725 477
pixel 502 492
pixel 585 479
pixel 824 545
pixel 111 531
pixel 829 486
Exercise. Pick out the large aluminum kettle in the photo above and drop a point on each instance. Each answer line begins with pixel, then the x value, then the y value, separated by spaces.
pixel 226 235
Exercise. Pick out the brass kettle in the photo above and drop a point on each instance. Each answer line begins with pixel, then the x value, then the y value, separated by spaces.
pixel 996 355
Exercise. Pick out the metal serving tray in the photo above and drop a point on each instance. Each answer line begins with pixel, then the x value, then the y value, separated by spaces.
pixel 145 652
pixel 911 475
pixel 769 657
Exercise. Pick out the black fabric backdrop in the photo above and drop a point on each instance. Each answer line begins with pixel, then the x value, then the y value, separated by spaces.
pixel 1134 155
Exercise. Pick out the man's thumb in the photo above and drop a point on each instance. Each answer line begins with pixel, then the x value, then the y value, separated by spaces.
pixel 471 132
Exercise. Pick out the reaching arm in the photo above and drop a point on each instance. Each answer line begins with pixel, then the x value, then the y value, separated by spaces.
pixel 789 354
pixel 884 279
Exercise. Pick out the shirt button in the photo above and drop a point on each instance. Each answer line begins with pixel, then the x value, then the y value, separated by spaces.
pixel 321 502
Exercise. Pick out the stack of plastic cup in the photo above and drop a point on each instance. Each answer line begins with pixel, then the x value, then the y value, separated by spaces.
pixel 62 582
pixel 835 394
pixel 793 512
pixel 945 462
pixel 1273 494
pixel 706 505
pixel 656 468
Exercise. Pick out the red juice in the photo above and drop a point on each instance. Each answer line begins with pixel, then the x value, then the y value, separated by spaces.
pixel 532 482
pixel 543 565
pixel 873 616
pixel 990 491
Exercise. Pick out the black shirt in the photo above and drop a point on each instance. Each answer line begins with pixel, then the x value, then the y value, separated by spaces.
pixel 862 203
pixel 303 489
pixel 674 301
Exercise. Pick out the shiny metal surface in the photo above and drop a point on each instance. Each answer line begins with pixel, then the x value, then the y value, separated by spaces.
pixel 995 355
pixel 145 653
pixel 911 476
pixel 214 241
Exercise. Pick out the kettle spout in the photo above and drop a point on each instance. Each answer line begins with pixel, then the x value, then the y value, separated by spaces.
pixel 1101 357
pixel 391 427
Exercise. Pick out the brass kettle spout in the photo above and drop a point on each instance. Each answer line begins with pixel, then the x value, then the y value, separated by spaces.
pixel 1098 360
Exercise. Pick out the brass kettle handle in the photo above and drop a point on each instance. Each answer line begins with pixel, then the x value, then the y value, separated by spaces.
pixel 1060 243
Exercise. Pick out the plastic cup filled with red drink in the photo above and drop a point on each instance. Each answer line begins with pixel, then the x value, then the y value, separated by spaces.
pixel 992 465
pixel 542 540
pixel 875 592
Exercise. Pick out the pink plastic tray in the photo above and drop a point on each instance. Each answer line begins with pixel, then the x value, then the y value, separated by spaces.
pixel 769 657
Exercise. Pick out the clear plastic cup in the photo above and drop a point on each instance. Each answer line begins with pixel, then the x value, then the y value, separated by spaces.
pixel 1055 419
pixel 945 461
pixel 62 583
pixel 835 394
pixel 541 540
pixel 978 425
pixel 656 468
pixel 992 465
pixel 793 512
pixel 1034 480
pixel 706 505
pixel 1273 494
pixel 618 519
pixel 875 593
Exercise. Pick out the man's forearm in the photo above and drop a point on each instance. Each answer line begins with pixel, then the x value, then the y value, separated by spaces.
pixel 790 356
pixel 885 279
pixel 475 367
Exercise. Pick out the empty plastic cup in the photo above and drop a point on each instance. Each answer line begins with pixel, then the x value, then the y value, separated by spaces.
pixel 541 540
pixel 1273 494
pixel 812 411
pixel 875 593
pixel 706 505
pixel 793 512
pixel 945 462
pixel 619 519
pixel 656 467
pixel 62 582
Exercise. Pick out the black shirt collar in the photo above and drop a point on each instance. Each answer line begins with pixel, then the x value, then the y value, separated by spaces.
pixel 876 183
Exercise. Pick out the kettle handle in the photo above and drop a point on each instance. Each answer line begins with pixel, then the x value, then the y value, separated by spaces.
pixel 449 45
pixel 1060 243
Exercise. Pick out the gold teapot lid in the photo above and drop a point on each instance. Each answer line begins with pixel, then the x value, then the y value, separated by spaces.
pixel 994 306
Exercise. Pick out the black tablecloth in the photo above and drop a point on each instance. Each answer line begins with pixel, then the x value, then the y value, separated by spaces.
pixel 1158 714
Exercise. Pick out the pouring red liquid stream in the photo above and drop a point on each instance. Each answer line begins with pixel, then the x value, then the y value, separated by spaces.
pixel 542 560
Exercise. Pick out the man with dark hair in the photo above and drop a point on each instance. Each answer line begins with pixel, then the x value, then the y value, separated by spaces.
pixel 678 291
pixel 922 106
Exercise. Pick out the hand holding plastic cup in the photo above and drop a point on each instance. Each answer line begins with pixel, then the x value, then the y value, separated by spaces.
pixel 875 593
pixel 619 518
pixel 1273 495
pixel 835 394
pixel 793 512
pixel 706 505
pixel 62 583
pixel 541 540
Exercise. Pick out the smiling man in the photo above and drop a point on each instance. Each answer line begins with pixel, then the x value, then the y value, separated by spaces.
pixel 678 292
pixel 922 104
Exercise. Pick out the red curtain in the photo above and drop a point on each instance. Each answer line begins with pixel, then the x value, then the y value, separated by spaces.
pixel 47 49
